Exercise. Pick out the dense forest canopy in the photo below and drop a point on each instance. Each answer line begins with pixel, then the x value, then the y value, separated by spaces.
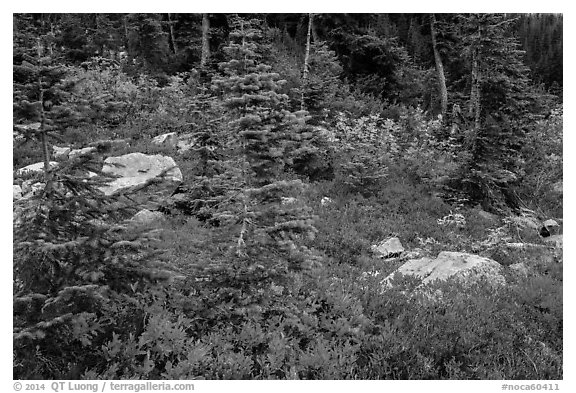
pixel 288 145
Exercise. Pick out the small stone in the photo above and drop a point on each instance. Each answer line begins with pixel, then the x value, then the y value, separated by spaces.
pixel 146 216
pixel 288 200
pixel 326 201
pixel 61 153
pixel 519 269
pixel 81 152
pixel 170 139
pixel 555 240
pixel 389 248
pixel 16 192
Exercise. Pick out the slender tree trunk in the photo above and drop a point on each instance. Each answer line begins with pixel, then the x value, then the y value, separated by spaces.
pixel 306 60
pixel 43 139
pixel 42 130
pixel 126 42
pixel 205 40
pixel 474 108
pixel 315 36
pixel 439 69
pixel 171 26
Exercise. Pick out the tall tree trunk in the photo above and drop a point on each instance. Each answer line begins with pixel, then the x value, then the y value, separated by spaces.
pixel 315 36
pixel 126 41
pixel 171 26
pixel 439 69
pixel 474 108
pixel 42 130
pixel 306 60
pixel 205 40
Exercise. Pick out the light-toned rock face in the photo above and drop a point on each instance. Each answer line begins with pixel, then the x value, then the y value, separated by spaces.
pixel 34 168
pixel 81 152
pixel 146 216
pixel 519 269
pixel 170 139
pixel 61 152
pixel 16 192
pixel 325 201
pixel 555 240
pixel 137 169
pixel 186 142
pixel 467 267
pixel 550 223
pixel 288 200
pixel 389 248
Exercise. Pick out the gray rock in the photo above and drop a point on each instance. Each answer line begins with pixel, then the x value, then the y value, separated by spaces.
pixel 288 200
pixel 81 152
pixel 61 153
pixel 550 227
pixel 186 142
pixel 34 168
pixel 555 240
pixel 170 140
pixel 389 248
pixel 463 266
pixel 31 187
pixel 523 245
pixel 550 223
pixel 326 201
pixel 16 192
pixel 134 171
pixel 146 216
pixel 519 269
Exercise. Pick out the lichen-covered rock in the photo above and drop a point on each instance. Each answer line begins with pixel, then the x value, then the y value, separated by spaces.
pixel 34 168
pixel 288 200
pixel 156 175
pixel 31 187
pixel 389 248
pixel 466 267
pixel 61 153
pixel 519 269
pixel 81 152
pixel 146 216
pixel 170 140
pixel 555 240
pixel 16 192
pixel 186 142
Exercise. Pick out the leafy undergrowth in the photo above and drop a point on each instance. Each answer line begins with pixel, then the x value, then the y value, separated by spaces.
pixel 222 319
pixel 334 323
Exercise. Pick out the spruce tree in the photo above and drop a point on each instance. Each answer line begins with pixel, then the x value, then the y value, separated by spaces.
pixel 264 130
pixel 81 273
pixel 501 104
